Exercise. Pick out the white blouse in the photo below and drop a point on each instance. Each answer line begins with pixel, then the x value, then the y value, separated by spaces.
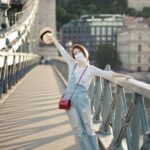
pixel 89 73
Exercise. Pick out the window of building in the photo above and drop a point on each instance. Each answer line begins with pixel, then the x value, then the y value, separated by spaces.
pixel 149 60
pixel 97 31
pixel 87 43
pixel 139 48
pixel 139 69
pixel 97 38
pixel 103 38
pixel 64 31
pixel 103 31
pixel 93 30
pixel 69 30
pixel 149 69
pixel 109 38
pixel 109 31
pixel 114 29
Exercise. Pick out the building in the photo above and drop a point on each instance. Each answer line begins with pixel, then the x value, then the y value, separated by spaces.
pixel 92 30
pixel 138 4
pixel 133 45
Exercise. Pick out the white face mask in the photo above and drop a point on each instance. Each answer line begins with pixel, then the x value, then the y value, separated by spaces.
pixel 80 57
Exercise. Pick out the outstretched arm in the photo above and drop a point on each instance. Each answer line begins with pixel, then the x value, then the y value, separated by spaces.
pixel 55 41
pixel 112 74
pixel 61 49
pixel 115 75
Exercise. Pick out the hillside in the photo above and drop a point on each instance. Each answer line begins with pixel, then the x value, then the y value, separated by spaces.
pixel 73 9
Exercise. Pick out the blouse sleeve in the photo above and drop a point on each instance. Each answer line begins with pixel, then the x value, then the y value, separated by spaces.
pixel 101 73
pixel 66 56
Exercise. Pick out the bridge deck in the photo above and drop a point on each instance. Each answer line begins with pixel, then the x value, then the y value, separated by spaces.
pixel 30 118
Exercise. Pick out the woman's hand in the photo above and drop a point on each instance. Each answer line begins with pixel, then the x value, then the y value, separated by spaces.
pixel 48 38
pixel 128 77
pixel 46 35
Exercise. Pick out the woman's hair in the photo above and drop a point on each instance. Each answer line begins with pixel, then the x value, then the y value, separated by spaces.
pixel 82 49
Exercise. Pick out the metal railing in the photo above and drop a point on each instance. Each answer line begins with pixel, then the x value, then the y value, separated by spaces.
pixel 13 66
pixel 16 58
pixel 18 34
pixel 118 110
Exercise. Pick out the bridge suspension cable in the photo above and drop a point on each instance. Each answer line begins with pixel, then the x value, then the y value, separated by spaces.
pixel 18 33
pixel 16 59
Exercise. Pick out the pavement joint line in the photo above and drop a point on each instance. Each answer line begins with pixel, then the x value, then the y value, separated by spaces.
pixel 14 87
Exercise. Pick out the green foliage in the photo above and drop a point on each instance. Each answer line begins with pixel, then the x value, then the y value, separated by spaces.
pixel 106 54
pixel 146 12
pixel 131 11
pixel 73 9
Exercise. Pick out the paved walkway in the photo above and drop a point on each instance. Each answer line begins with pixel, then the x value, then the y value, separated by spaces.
pixel 30 118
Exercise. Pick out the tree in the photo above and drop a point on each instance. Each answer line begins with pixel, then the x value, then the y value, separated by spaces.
pixel 106 54
pixel 146 12
pixel 72 9
pixel 62 16
pixel 132 12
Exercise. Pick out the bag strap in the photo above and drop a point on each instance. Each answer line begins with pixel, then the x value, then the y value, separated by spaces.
pixel 79 81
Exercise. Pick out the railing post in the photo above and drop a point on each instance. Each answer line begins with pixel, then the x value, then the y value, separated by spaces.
pixel 2 76
pixel 106 100
pixel 97 100
pixel 9 77
pixel 126 118
pixel 117 122
pixel 5 81
pixel 140 118
pixel 24 65
pixel 1 81
pixel 19 68
pixel 136 124
pixel 146 144
pixel 13 70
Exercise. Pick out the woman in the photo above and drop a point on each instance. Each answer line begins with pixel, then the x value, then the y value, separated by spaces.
pixel 80 112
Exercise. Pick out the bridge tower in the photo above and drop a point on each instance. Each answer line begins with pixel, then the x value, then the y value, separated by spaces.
pixel 46 17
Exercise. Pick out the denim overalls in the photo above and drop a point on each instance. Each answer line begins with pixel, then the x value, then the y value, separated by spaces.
pixel 80 114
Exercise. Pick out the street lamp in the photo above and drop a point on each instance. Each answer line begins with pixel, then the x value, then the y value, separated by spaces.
pixel 69 46
pixel 4 5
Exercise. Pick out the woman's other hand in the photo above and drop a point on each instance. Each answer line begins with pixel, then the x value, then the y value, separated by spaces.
pixel 127 77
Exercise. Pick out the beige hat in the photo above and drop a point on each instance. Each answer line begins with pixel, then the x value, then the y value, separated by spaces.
pixel 43 34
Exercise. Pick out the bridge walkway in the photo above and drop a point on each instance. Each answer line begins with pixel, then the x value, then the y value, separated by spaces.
pixel 30 118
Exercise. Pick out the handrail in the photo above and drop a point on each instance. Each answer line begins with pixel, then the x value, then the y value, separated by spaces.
pixel 13 66
pixel 118 109
pixel 13 63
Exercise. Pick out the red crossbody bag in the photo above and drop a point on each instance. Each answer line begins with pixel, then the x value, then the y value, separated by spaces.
pixel 66 103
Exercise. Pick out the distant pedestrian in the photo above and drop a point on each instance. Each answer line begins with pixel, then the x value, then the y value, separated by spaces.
pixel 80 111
